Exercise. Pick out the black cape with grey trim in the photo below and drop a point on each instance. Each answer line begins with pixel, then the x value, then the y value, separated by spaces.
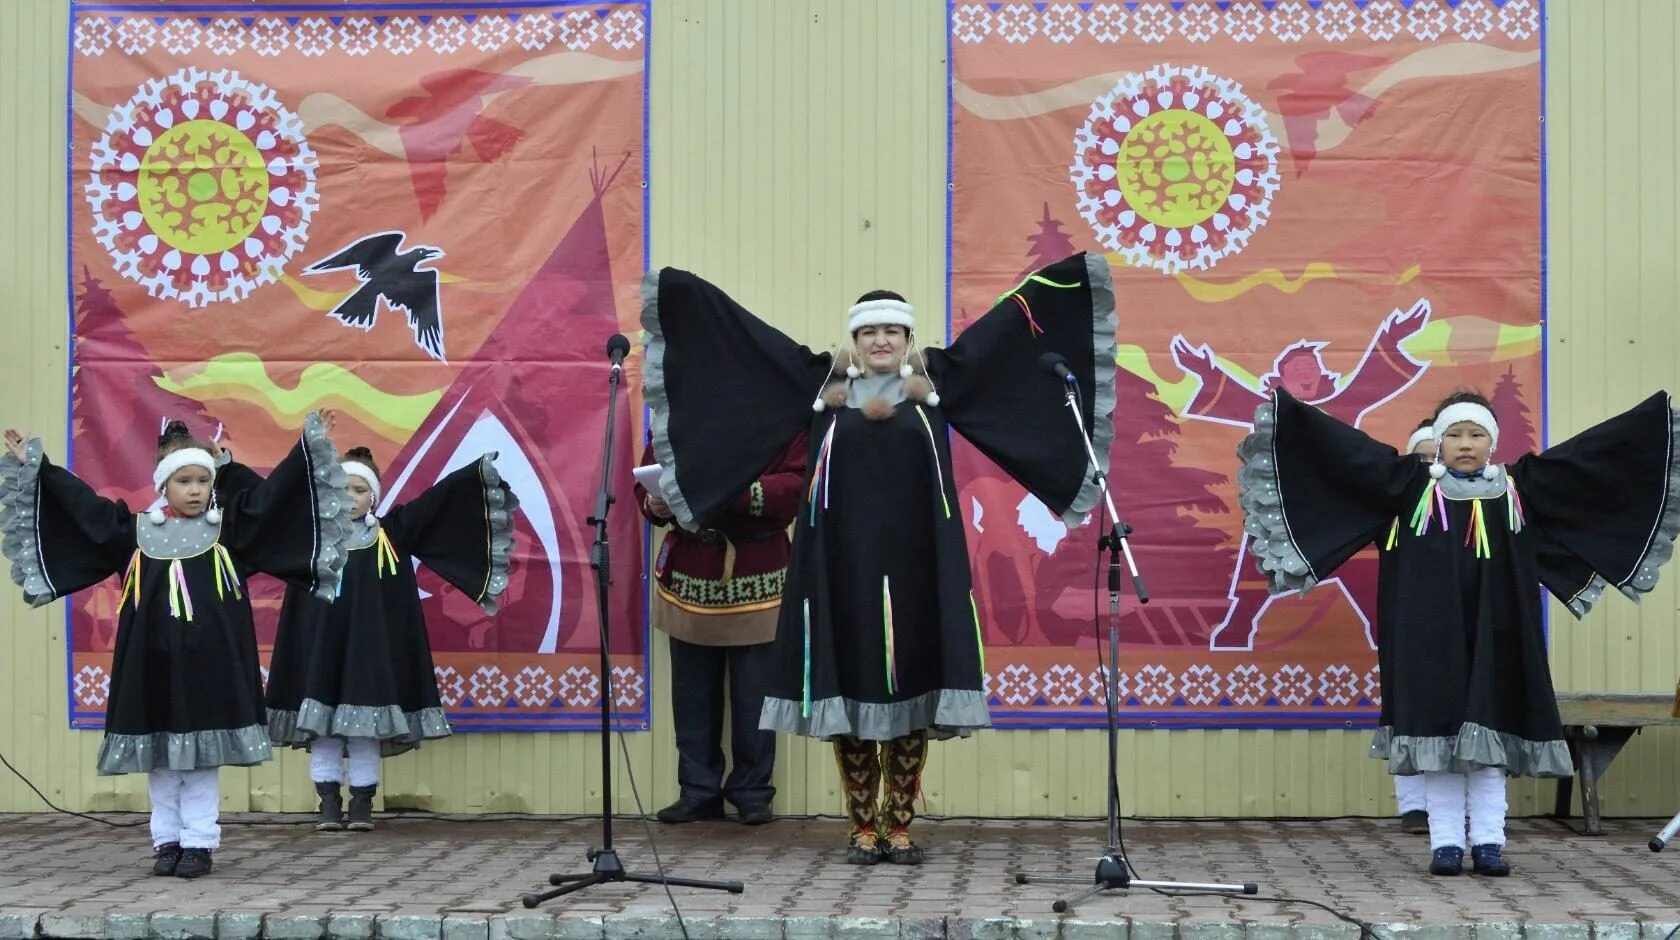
pixel 878 634
pixel 1466 681
pixel 361 666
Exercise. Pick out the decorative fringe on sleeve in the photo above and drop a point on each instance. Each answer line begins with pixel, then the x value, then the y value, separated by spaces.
pixel 1661 548
pixel 332 507
pixel 1103 325
pixel 1262 505
pixel 499 504
pixel 20 537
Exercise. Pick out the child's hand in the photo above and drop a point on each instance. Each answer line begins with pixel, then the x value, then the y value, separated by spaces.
pixel 17 445
pixel 329 418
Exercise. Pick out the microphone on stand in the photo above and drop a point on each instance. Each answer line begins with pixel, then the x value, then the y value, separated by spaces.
pixel 617 348
pixel 1056 364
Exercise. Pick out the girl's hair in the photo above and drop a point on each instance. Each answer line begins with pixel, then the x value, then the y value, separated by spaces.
pixel 362 455
pixel 1463 396
pixel 176 437
pixel 882 295
pixel 1425 423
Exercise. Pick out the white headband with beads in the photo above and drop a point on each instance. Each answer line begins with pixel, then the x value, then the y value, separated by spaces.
pixel 1456 413
pixel 880 313
pixel 174 461
pixel 358 469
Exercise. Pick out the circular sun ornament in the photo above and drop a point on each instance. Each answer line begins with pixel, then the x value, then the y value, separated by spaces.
pixel 1175 168
pixel 202 186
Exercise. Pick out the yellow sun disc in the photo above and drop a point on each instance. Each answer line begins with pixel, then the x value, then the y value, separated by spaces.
pixel 203 187
pixel 1175 168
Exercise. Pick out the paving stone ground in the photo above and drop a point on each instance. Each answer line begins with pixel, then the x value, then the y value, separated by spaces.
pixel 455 879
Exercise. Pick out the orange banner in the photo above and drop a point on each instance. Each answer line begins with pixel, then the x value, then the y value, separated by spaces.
pixel 429 217
pixel 1342 198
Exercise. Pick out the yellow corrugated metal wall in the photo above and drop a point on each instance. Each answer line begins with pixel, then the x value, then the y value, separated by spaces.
pixel 798 155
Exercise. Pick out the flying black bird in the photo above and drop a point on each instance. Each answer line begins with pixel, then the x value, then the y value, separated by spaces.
pixel 396 277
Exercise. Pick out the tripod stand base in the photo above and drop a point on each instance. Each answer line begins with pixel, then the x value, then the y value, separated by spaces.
pixel 1112 875
pixel 609 869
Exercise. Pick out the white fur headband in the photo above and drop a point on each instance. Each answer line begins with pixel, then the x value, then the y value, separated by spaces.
pixel 1467 411
pixel 358 469
pixel 173 461
pixel 880 313
pixel 1418 437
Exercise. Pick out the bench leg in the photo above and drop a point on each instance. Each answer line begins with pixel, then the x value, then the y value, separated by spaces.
pixel 1596 753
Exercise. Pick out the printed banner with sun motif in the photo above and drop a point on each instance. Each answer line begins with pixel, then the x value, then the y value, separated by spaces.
pixel 1341 197
pixel 428 217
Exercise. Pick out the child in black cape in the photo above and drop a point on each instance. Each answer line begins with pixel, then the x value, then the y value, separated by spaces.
pixel 354 677
pixel 1467 690
pixel 186 693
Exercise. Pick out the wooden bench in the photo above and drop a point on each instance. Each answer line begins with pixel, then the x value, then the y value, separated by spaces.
pixel 1596 725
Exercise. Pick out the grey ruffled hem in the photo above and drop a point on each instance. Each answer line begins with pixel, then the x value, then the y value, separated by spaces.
pixel 655 397
pixel 1474 748
pixel 20 539
pixel 1103 397
pixel 398 731
pixel 187 750
pixel 499 505
pixel 1643 577
pixel 332 507
pixel 1261 498
pixel 1587 597
pixel 943 713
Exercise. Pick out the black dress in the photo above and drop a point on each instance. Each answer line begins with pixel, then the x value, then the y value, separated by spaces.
pixel 361 666
pixel 878 634
pixel 186 693
pixel 1461 641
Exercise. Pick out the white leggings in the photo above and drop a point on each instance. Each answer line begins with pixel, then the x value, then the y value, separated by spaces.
pixel 1408 792
pixel 1447 807
pixel 325 754
pixel 185 804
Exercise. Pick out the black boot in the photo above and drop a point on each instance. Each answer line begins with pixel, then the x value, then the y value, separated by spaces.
pixel 688 809
pixel 194 862
pixel 331 817
pixel 361 808
pixel 165 857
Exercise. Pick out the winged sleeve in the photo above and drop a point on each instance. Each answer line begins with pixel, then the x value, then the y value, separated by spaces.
pixel 728 392
pixel 1610 496
pixel 294 524
pixel 1314 491
pixel 994 391
pixel 462 528
pixel 59 535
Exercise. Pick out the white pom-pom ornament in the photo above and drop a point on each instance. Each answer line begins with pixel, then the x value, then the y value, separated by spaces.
pixel 904 370
pixel 1437 470
pixel 853 372
pixel 213 516
pixel 157 516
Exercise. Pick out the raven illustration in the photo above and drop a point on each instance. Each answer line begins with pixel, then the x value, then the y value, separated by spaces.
pixel 395 276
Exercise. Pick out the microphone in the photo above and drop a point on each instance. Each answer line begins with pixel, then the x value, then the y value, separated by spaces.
pixel 1056 365
pixel 617 347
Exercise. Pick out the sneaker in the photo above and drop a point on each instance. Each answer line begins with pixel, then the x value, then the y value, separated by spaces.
pixel 687 810
pixel 1448 861
pixel 864 850
pixel 194 862
pixel 1489 860
pixel 754 814
pixel 164 859
pixel 1414 822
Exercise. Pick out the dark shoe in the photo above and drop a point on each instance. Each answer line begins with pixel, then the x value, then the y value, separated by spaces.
pixel 687 810
pixel 1489 860
pixel 165 857
pixel 361 808
pixel 194 862
pixel 754 814
pixel 901 851
pixel 864 850
pixel 1414 822
pixel 331 813
pixel 1448 861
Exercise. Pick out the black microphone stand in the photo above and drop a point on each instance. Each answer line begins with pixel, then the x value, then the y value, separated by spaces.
pixel 1114 871
pixel 608 868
